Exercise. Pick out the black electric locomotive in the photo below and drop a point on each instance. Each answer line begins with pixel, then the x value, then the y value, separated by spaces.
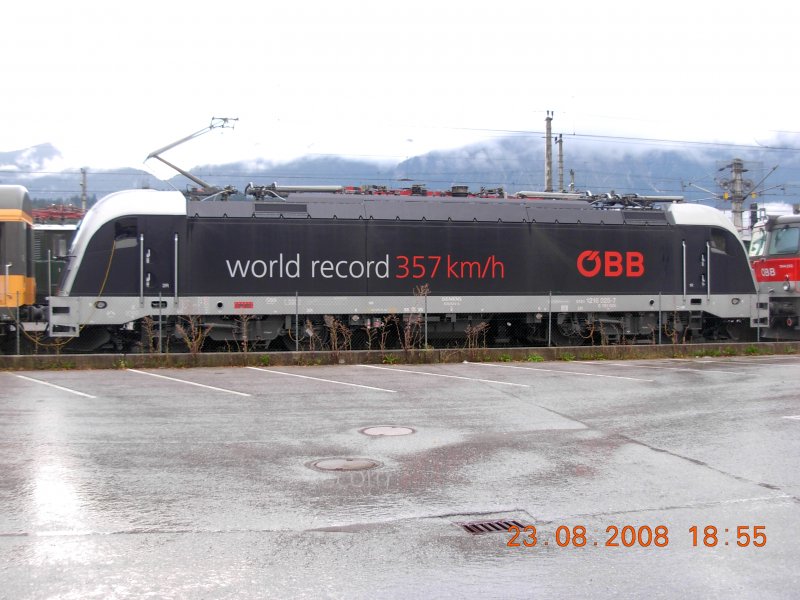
pixel 289 268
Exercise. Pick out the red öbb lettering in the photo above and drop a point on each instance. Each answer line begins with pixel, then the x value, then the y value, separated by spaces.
pixel 610 263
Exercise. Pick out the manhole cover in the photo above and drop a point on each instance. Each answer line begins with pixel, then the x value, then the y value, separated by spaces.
pixel 387 430
pixel 344 464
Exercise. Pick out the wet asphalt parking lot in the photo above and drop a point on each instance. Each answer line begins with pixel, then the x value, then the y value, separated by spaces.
pixel 643 479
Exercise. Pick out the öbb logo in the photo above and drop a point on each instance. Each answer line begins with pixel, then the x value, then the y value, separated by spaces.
pixel 611 263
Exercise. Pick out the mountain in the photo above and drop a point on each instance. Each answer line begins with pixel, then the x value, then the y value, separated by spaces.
pixel 514 164
pixel 692 171
pixel 37 168
pixel 29 160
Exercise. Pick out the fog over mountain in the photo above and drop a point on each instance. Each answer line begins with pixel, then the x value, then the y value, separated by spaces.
pixel 513 163
pixel 29 160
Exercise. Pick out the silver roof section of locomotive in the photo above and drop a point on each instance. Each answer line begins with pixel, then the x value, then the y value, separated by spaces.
pixel 381 207
pixel 425 208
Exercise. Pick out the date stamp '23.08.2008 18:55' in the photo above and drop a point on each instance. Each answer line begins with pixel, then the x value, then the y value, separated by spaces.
pixel 642 536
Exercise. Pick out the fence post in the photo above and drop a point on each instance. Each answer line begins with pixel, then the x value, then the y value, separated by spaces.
pixel 296 321
pixel 49 275
pixel 660 325
pixel 550 319
pixel 425 316
pixel 159 323
pixel 17 328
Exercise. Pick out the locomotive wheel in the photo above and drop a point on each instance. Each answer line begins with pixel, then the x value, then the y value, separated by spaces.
pixel 314 338
pixel 559 338
pixel 281 343
pixel 740 332
pixel 358 339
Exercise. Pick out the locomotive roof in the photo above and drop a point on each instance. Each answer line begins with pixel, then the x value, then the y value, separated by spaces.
pixel 783 219
pixel 380 207
pixel 15 197
pixel 389 208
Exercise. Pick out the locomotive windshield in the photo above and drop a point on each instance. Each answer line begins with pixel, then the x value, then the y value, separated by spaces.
pixel 785 240
pixel 757 242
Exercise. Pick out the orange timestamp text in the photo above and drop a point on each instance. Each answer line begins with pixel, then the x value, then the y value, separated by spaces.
pixel 642 536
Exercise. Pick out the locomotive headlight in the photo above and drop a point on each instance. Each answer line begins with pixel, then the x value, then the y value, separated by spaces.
pixel 787 286
pixel 735 301
pixel 100 304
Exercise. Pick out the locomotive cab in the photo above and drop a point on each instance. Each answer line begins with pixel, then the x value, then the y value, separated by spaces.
pixel 17 286
pixel 775 259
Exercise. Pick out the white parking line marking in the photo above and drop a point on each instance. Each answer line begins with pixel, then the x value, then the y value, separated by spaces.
pixel 442 375
pixel 765 357
pixel 53 385
pixel 210 387
pixel 742 362
pixel 640 366
pixel 795 417
pixel 368 387
pixel 692 361
pixel 561 371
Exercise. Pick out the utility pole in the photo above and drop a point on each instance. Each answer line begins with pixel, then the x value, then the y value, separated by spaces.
pixel 83 190
pixel 548 153
pixel 737 193
pixel 560 142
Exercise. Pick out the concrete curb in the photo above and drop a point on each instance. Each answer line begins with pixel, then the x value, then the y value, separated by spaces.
pixel 349 357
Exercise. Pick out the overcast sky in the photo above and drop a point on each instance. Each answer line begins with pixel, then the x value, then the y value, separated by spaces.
pixel 108 82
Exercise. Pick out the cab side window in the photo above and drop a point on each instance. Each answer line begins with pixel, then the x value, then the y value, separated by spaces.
pixel 785 241
pixel 126 232
pixel 718 241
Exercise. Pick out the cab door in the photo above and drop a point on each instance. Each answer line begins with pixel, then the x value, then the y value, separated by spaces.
pixel 158 258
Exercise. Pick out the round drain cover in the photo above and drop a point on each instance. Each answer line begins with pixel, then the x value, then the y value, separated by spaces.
pixel 344 464
pixel 387 430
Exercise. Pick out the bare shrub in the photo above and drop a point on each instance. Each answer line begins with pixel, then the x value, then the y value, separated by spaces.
pixel 476 336
pixel 193 331
pixel 340 335
pixel 244 328
pixel 371 333
pixel 149 335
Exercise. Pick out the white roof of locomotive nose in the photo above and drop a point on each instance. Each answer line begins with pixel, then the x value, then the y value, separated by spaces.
pixel 124 204
pixel 127 203
pixel 699 214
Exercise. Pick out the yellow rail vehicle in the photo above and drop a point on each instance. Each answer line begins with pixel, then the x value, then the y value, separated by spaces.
pixel 17 275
